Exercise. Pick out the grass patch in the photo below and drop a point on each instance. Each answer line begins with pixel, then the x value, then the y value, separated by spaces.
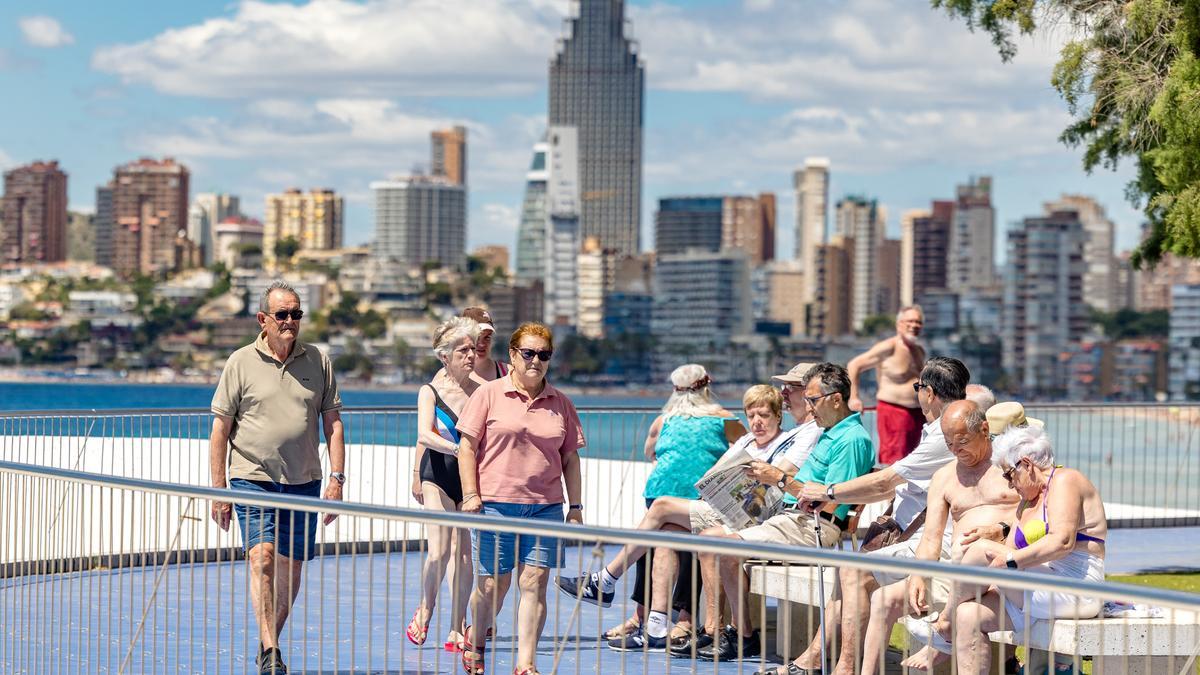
pixel 1188 582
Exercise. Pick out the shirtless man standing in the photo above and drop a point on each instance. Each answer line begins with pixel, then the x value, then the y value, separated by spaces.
pixel 968 491
pixel 898 361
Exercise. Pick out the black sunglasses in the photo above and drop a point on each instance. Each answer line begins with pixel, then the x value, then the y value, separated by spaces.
pixel 528 354
pixel 283 314
pixel 1008 475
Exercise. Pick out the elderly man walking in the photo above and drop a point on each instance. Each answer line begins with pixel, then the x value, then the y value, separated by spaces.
pixel 271 396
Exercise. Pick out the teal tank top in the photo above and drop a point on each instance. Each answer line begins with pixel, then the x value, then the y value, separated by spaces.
pixel 687 447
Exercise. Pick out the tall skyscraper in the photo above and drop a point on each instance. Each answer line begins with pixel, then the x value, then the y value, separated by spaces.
pixel 531 233
pixel 448 154
pixel 1099 277
pixel 701 298
pixel 149 218
pixel 931 242
pixel 830 310
pixel 420 219
pixel 34 214
pixel 907 243
pixel 313 219
pixel 597 86
pixel 208 209
pixel 563 238
pixel 863 221
pixel 683 223
pixel 105 225
pixel 812 219
pixel 971 258
pixel 748 224
pixel 1044 311
pixel 887 277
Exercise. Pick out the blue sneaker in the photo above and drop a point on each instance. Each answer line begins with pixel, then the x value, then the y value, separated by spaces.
pixel 586 589
pixel 638 642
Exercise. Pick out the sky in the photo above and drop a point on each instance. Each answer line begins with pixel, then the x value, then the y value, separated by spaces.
pixel 255 97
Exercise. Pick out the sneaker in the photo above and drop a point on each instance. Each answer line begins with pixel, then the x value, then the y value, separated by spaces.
pixel 687 646
pixel 638 642
pixel 729 646
pixel 270 662
pixel 586 589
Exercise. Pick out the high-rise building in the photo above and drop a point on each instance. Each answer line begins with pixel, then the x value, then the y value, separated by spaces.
pixel 81 236
pixel 420 219
pixel 1099 277
pixel 887 277
pixel 683 223
pixel 971 257
pixel 208 209
pixel 149 218
pixel 1152 285
pixel 34 214
pixel 748 224
pixel 531 233
pixel 597 86
pixel 812 216
pixel 313 220
pixel 1044 312
pixel 1184 378
pixel 701 298
pixel 907 244
pixel 594 270
pixel 931 242
pixel 563 236
pixel 448 154
pixel 105 225
pixel 830 312
pixel 785 294
pixel 863 221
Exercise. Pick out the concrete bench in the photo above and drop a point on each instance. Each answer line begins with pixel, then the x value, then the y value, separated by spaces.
pixel 1136 646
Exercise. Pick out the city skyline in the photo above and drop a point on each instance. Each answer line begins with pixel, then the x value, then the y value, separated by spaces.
pixel 899 125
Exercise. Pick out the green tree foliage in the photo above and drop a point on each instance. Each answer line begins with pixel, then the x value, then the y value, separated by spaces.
pixel 1131 78
pixel 286 248
pixel 878 324
pixel 1125 324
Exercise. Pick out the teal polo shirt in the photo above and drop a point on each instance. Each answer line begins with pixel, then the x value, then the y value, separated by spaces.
pixel 843 452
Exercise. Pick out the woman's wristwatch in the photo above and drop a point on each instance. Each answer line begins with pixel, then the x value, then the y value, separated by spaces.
pixel 1010 562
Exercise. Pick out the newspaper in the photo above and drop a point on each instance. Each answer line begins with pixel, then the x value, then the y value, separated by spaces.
pixel 740 500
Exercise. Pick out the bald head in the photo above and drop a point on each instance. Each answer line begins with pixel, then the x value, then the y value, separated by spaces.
pixel 965 427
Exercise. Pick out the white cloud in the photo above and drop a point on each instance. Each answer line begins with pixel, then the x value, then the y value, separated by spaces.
pixel 44 31
pixel 5 160
pixel 499 224
pixel 344 48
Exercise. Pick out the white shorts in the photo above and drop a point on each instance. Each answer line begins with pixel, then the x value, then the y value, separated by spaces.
pixel 939 591
pixel 1043 605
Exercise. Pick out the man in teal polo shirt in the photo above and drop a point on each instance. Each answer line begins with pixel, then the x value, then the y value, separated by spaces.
pixel 843 452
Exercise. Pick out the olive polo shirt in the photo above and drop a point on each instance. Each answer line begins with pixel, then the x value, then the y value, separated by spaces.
pixel 276 410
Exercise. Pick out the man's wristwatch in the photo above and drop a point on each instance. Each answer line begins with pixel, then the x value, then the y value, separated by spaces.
pixel 782 482
pixel 575 507
pixel 829 492
pixel 339 477
pixel 1005 528
pixel 1009 562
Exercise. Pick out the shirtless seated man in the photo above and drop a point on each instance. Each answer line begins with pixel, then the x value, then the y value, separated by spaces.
pixel 898 360
pixel 969 491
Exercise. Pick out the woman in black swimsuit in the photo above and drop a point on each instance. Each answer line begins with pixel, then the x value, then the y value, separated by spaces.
pixel 435 475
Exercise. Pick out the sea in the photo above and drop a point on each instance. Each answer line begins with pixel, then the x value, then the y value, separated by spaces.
pixel 1140 458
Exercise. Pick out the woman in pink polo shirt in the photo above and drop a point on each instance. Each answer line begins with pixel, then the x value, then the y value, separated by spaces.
pixel 520 442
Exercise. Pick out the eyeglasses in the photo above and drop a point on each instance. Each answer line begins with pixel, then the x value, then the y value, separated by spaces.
pixel 528 354
pixel 1008 475
pixel 812 400
pixel 283 314
pixel 918 386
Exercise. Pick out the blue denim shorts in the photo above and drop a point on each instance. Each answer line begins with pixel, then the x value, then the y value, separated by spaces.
pixel 294 533
pixel 499 552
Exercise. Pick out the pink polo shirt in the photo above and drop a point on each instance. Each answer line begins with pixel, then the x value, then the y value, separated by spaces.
pixel 520 444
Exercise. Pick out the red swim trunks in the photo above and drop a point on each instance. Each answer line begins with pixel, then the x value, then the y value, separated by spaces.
pixel 899 430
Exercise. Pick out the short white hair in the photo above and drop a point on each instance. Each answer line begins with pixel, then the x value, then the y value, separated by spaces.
pixel 1017 443
pixel 910 308
pixel 981 396
pixel 450 332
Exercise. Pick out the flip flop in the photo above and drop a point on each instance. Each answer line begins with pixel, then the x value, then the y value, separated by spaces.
pixel 473 657
pixel 416 632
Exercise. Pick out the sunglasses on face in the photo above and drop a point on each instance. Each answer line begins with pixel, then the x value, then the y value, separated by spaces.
pixel 528 354
pixel 1008 474
pixel 812 400
pixel 918 386
pixel 283 314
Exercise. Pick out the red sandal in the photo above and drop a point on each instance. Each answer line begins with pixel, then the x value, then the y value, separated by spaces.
pixel 526 671
pixel 473 657
pixel 416 632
